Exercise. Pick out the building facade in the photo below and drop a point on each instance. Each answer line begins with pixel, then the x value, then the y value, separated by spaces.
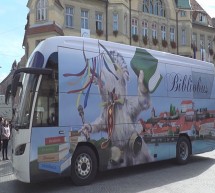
pixel 179 27
pixel 203 33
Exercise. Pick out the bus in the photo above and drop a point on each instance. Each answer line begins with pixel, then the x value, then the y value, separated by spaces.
pixel 88 105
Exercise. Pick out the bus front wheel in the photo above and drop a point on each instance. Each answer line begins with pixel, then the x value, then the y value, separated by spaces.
pixel 83 166
pixel 183 150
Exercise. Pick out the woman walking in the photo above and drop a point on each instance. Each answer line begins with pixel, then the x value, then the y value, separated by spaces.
pixel 5 138
pixel 1 122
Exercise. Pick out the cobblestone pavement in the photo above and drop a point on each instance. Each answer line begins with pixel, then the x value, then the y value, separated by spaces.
pixel 6 171
pixel 163 177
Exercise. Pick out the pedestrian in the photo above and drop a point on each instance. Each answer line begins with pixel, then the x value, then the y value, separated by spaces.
pixel 1 122
pixel 5 138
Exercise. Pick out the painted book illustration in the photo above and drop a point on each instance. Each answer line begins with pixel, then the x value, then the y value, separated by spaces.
pixel 54 156
pixel 52 148
pixel 55 140
pixel 56 167
pixel 73 139
pixel 143 60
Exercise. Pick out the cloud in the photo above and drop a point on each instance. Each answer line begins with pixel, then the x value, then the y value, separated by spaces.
pixel 208 6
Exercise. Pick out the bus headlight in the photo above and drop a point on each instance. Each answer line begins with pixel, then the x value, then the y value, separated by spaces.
pixel 20 149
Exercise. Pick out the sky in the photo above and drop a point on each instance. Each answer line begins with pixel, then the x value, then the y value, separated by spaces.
pixel 13 14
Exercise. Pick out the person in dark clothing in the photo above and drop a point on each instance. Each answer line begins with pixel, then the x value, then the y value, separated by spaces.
pixel 1 122
pixel 5 138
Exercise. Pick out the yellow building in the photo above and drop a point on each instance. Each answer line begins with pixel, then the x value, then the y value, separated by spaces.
pixel 179 27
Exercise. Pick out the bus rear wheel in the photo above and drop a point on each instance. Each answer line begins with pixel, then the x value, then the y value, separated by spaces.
pixel 83 166
pixel 183 150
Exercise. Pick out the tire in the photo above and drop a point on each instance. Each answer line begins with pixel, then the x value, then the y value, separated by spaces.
pixel 183 150
pixel 84 166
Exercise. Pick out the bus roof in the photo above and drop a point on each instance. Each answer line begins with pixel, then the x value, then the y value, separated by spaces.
pixel 51 45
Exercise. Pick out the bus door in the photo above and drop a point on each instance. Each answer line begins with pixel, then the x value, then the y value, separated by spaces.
pixel 50 150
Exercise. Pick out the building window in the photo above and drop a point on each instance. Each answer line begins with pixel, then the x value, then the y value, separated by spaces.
pixel 210 43
pixel 202 17
pixel 145 28
pixel 163 32
pixel 202 41
pixel 99 18
pixel 157 7
pixel 151 9
pixel 162 12
pixel 183 37
pixel 172 34
pixel 134 26
pixel 115 21
pixel 194 39
pixel 146 6
pixel 183 13
pixel 202 47
pixel 154 7
pixel 69 16
pixel 41 10
pixel 154 31
pixel 84 19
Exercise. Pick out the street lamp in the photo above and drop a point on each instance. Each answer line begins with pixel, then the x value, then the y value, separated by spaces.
pixel 194 49
pixel 177 30
pixel 106 10
pixel 106 1
pixel 130 20
pixel 202 50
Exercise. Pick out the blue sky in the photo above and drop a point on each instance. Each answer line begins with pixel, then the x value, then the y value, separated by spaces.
pixel 13 15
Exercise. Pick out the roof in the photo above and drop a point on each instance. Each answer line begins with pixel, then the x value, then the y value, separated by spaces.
pixel 45 29
pixel 198 9
pixel 183 4
pixel 59 3
pixel 186 102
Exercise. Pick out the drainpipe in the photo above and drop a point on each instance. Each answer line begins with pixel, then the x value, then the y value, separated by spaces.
pixel 130 20
pixel 107 20
pixel 177 29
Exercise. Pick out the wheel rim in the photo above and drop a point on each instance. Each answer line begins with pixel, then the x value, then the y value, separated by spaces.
pixel 183 151
pixel 83 165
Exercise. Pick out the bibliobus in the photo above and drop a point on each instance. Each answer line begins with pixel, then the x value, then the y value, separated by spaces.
pixel 89 105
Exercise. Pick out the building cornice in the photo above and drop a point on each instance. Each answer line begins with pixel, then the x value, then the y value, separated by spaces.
pixel 197 25
pixel 57 2
pixel 45 29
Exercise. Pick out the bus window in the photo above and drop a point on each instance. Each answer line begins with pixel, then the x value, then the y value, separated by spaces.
pixel 46 108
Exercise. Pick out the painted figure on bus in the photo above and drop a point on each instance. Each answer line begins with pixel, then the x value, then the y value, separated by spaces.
pixel 120 112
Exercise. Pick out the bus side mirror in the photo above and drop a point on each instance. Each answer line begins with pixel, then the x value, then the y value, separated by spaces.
pixel 16 127
pixel 15 84
pixel 7 93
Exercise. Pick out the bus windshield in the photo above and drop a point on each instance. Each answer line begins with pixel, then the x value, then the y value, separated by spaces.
pixel 44 90
pixel 22 116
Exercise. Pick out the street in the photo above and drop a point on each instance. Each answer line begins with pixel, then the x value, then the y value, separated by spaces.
pixel 163 177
